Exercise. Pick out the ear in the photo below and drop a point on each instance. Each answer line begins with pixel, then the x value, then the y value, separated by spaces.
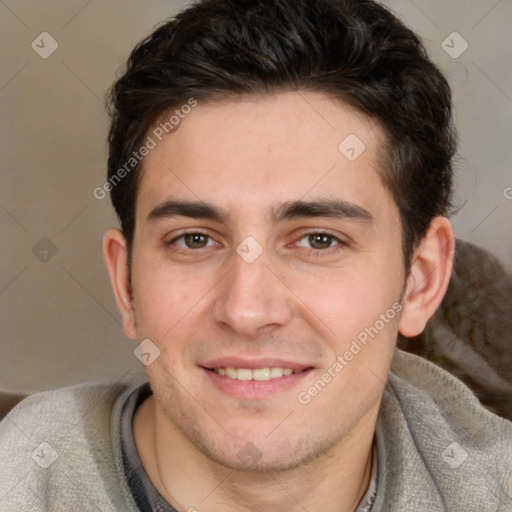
pixel 428 277
pixel 115 255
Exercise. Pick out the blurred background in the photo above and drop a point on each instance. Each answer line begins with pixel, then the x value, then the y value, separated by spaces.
pixel 60 321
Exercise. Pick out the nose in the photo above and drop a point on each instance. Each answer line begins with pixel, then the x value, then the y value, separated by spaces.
pixel 252 299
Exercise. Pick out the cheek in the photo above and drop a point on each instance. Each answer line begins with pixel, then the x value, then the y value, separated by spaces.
pixel 165 300
pixel 347 300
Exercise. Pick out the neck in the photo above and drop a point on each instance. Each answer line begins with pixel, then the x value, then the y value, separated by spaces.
pixel 189 480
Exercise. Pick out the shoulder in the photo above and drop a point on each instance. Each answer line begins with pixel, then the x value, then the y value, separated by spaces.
pixel 443 446
pixel 59 443
pixel 67 401
pixel 430 394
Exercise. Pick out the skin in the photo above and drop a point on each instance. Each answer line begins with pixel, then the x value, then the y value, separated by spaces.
pixel 300 301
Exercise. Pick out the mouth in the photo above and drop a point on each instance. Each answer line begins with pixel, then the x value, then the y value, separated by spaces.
pixel 259 374
pixel 255 380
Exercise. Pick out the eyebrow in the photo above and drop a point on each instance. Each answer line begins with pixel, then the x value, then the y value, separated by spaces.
pixel 330 208
pixel 192 209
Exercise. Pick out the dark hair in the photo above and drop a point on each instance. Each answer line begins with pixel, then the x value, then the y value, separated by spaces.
pixel 354 50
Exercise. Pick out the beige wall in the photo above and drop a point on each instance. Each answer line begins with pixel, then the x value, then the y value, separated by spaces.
pixel 60 323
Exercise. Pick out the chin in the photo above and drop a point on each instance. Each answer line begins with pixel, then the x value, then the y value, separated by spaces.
pixel 257 454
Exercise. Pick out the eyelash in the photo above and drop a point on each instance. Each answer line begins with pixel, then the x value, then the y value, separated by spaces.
pixel 181 250
pixel 339 243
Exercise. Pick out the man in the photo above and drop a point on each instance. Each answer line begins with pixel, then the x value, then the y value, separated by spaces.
pixel 282 174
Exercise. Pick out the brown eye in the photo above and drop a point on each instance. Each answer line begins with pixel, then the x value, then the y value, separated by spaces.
pixel 320 240
pixel 195 240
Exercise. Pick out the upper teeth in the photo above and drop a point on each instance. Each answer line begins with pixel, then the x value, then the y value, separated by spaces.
pixel 256 374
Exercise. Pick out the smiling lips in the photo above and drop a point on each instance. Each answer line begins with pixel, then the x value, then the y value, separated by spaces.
pixel 260 370
pixel 259 374
pixel 252 379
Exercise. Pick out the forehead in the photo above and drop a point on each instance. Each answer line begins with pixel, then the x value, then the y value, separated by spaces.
pixel 261 150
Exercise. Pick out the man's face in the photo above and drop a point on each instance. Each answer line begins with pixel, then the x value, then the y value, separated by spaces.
pixel 260 244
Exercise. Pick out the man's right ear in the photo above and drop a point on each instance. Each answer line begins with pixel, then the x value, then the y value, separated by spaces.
pixel 115 255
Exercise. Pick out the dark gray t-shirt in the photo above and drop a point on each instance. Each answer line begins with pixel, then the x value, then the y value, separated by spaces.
pixel 144 493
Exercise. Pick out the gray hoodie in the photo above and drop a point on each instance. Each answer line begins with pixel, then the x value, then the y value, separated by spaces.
pixel 438 448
